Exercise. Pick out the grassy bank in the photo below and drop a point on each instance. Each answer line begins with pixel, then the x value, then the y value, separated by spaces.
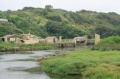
pixel 11 46
pixel 110 43
pixel 90 64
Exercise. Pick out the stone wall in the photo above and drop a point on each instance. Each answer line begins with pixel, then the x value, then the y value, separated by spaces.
pixel 31 41
pixel 97 38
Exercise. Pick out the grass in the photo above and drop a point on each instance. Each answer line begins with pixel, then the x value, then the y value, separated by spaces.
pixel 30 59
pixel 106 47
pixel 12 46
pixel 53 76
pixel 102 71
pixel 110 43
pixel 87 63
pixel 34 70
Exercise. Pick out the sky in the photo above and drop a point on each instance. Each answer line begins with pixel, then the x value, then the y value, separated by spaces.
pixel 69 5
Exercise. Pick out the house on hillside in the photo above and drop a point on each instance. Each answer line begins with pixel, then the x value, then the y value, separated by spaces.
pixel 51 39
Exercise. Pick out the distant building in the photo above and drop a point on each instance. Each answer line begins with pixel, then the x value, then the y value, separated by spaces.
pixel 87 40
pixel 3 20
pixel 80 39
pixel 97 38
pixel 30 39
pixel 9 38
pixel 51 39
pixel 22 39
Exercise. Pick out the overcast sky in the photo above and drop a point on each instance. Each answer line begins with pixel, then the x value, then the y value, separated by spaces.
pixel 70 5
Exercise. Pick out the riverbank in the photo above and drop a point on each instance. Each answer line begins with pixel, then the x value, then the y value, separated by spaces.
pixel 110 43
pixel 11 46
pixel 87 63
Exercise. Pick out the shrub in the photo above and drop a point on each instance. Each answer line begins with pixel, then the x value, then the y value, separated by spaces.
pixel 64 66
pixel 110 43
pixel 110 40
pixel 102 71
pixel 87 63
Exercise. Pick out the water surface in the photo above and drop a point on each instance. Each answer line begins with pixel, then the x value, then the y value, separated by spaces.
pixel 10 66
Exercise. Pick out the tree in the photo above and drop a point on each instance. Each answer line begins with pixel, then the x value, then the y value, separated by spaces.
pixel 28 8
pixel 54 17
pixel 49 7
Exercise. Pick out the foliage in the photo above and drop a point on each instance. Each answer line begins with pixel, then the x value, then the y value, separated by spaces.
pixel 102 71
pixel 7 45
pixel 54 17
pixel 88 63
pixel 12 46
pixel 49 7
pixel 111 40
pixel 110 43
pixel 62 29
pixel 70 24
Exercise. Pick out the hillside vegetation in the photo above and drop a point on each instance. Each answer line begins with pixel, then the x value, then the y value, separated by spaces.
pixel 54 22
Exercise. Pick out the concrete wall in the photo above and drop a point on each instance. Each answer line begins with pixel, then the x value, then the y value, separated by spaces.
pixel 97 38
pixel 86 39
pixel 80 39
pixel 3 20
pixel 51 40
pixel 30 41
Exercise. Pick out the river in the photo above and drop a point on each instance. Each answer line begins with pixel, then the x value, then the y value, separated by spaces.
pixel 11 66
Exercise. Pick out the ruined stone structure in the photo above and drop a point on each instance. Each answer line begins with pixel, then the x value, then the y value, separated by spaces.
pixel 60 38
pixel 3 20
pixel 8 38
pixel 97 38
pixel 22 39
pixel 87 41
pixel 81 39
pixel 30 39
pixel 51 39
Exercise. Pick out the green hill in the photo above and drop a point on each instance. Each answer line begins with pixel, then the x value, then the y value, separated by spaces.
pixel 55 22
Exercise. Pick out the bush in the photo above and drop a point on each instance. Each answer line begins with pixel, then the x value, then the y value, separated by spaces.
pixel 87 63
pixel 110 40
pixel 7 45
pixel 64 66
pixel 110 43
pixel 12 46
pixel 102 71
